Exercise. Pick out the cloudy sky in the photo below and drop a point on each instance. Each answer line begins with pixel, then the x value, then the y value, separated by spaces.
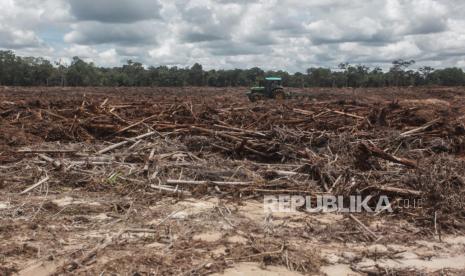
pixel 284 34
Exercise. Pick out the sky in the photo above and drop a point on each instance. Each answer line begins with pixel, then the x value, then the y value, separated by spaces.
pixel 292 35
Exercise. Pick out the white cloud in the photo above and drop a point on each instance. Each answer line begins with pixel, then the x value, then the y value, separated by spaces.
pixel 287 34
pixel 109 58
pixel 17 38
pixel 115 11
pixel 89 33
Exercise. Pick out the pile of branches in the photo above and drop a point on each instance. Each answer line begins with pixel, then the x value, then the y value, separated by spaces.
pixel 231 148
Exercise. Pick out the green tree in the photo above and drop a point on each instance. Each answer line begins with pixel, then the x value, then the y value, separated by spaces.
pixel 397 72
pixel 136 75
pixel 196 75
pixel 319 77
pixel 376 78
pixel 426 74
pixel 81 73
pixel 450 76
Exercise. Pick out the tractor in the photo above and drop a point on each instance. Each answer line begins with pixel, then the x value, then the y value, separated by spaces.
pixel 270 88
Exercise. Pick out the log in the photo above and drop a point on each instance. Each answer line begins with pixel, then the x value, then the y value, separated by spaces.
pixel 135 124
pixel 347 114
pixel 45 151
pixel 377 152
pixel 419 129
pixel 303 112
pixel 240 130
pixel 112 147
pixel 54 162
pixel 220 183
pixel 104 103
pixel 170 189
pixel 35 185
pixel 53 114
pixel 120 144
pixel 149 161
pixel 217 133
pixel 284 191
pixel 398 191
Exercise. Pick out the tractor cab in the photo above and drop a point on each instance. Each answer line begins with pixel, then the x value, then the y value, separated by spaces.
pixel 272 83
pixel 269 88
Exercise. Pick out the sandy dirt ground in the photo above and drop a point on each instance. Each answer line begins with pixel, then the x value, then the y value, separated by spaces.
pixel 171 181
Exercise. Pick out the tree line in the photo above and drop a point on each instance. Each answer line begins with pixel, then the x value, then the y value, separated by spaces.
pixel 37 71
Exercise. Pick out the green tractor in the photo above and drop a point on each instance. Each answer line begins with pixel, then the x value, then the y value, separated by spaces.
pixel 270 88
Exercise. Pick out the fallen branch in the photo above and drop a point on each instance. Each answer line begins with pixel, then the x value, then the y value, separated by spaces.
pixel 347 114
pixel 419 129
pixel 377 152
pixel 364 227
pixel 149 161
pixel 54 114
pixel 283 191
pixel 240 130
pixel 35 185
pixel 54 162
pixel 335 183
pixel 259 254
pixel 192 182
pixel 398 191
pixel 303 112
pixel 170 189
pixel 45 151
pixel 135 124
pixel 120 144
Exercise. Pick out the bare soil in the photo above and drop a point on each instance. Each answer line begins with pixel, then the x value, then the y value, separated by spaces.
pixel 171 181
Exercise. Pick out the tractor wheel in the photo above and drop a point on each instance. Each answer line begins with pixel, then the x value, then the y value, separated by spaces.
pixel 259 97
pixel 255 97
pixel 279 94
pixel 252 98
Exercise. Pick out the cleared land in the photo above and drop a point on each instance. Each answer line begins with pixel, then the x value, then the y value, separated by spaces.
pixel 172 181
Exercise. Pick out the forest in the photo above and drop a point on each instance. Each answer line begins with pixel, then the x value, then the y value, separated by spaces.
pixel 37 71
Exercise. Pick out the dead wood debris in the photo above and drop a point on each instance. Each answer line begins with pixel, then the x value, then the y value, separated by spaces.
pixel 234 149
pixel 172 143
